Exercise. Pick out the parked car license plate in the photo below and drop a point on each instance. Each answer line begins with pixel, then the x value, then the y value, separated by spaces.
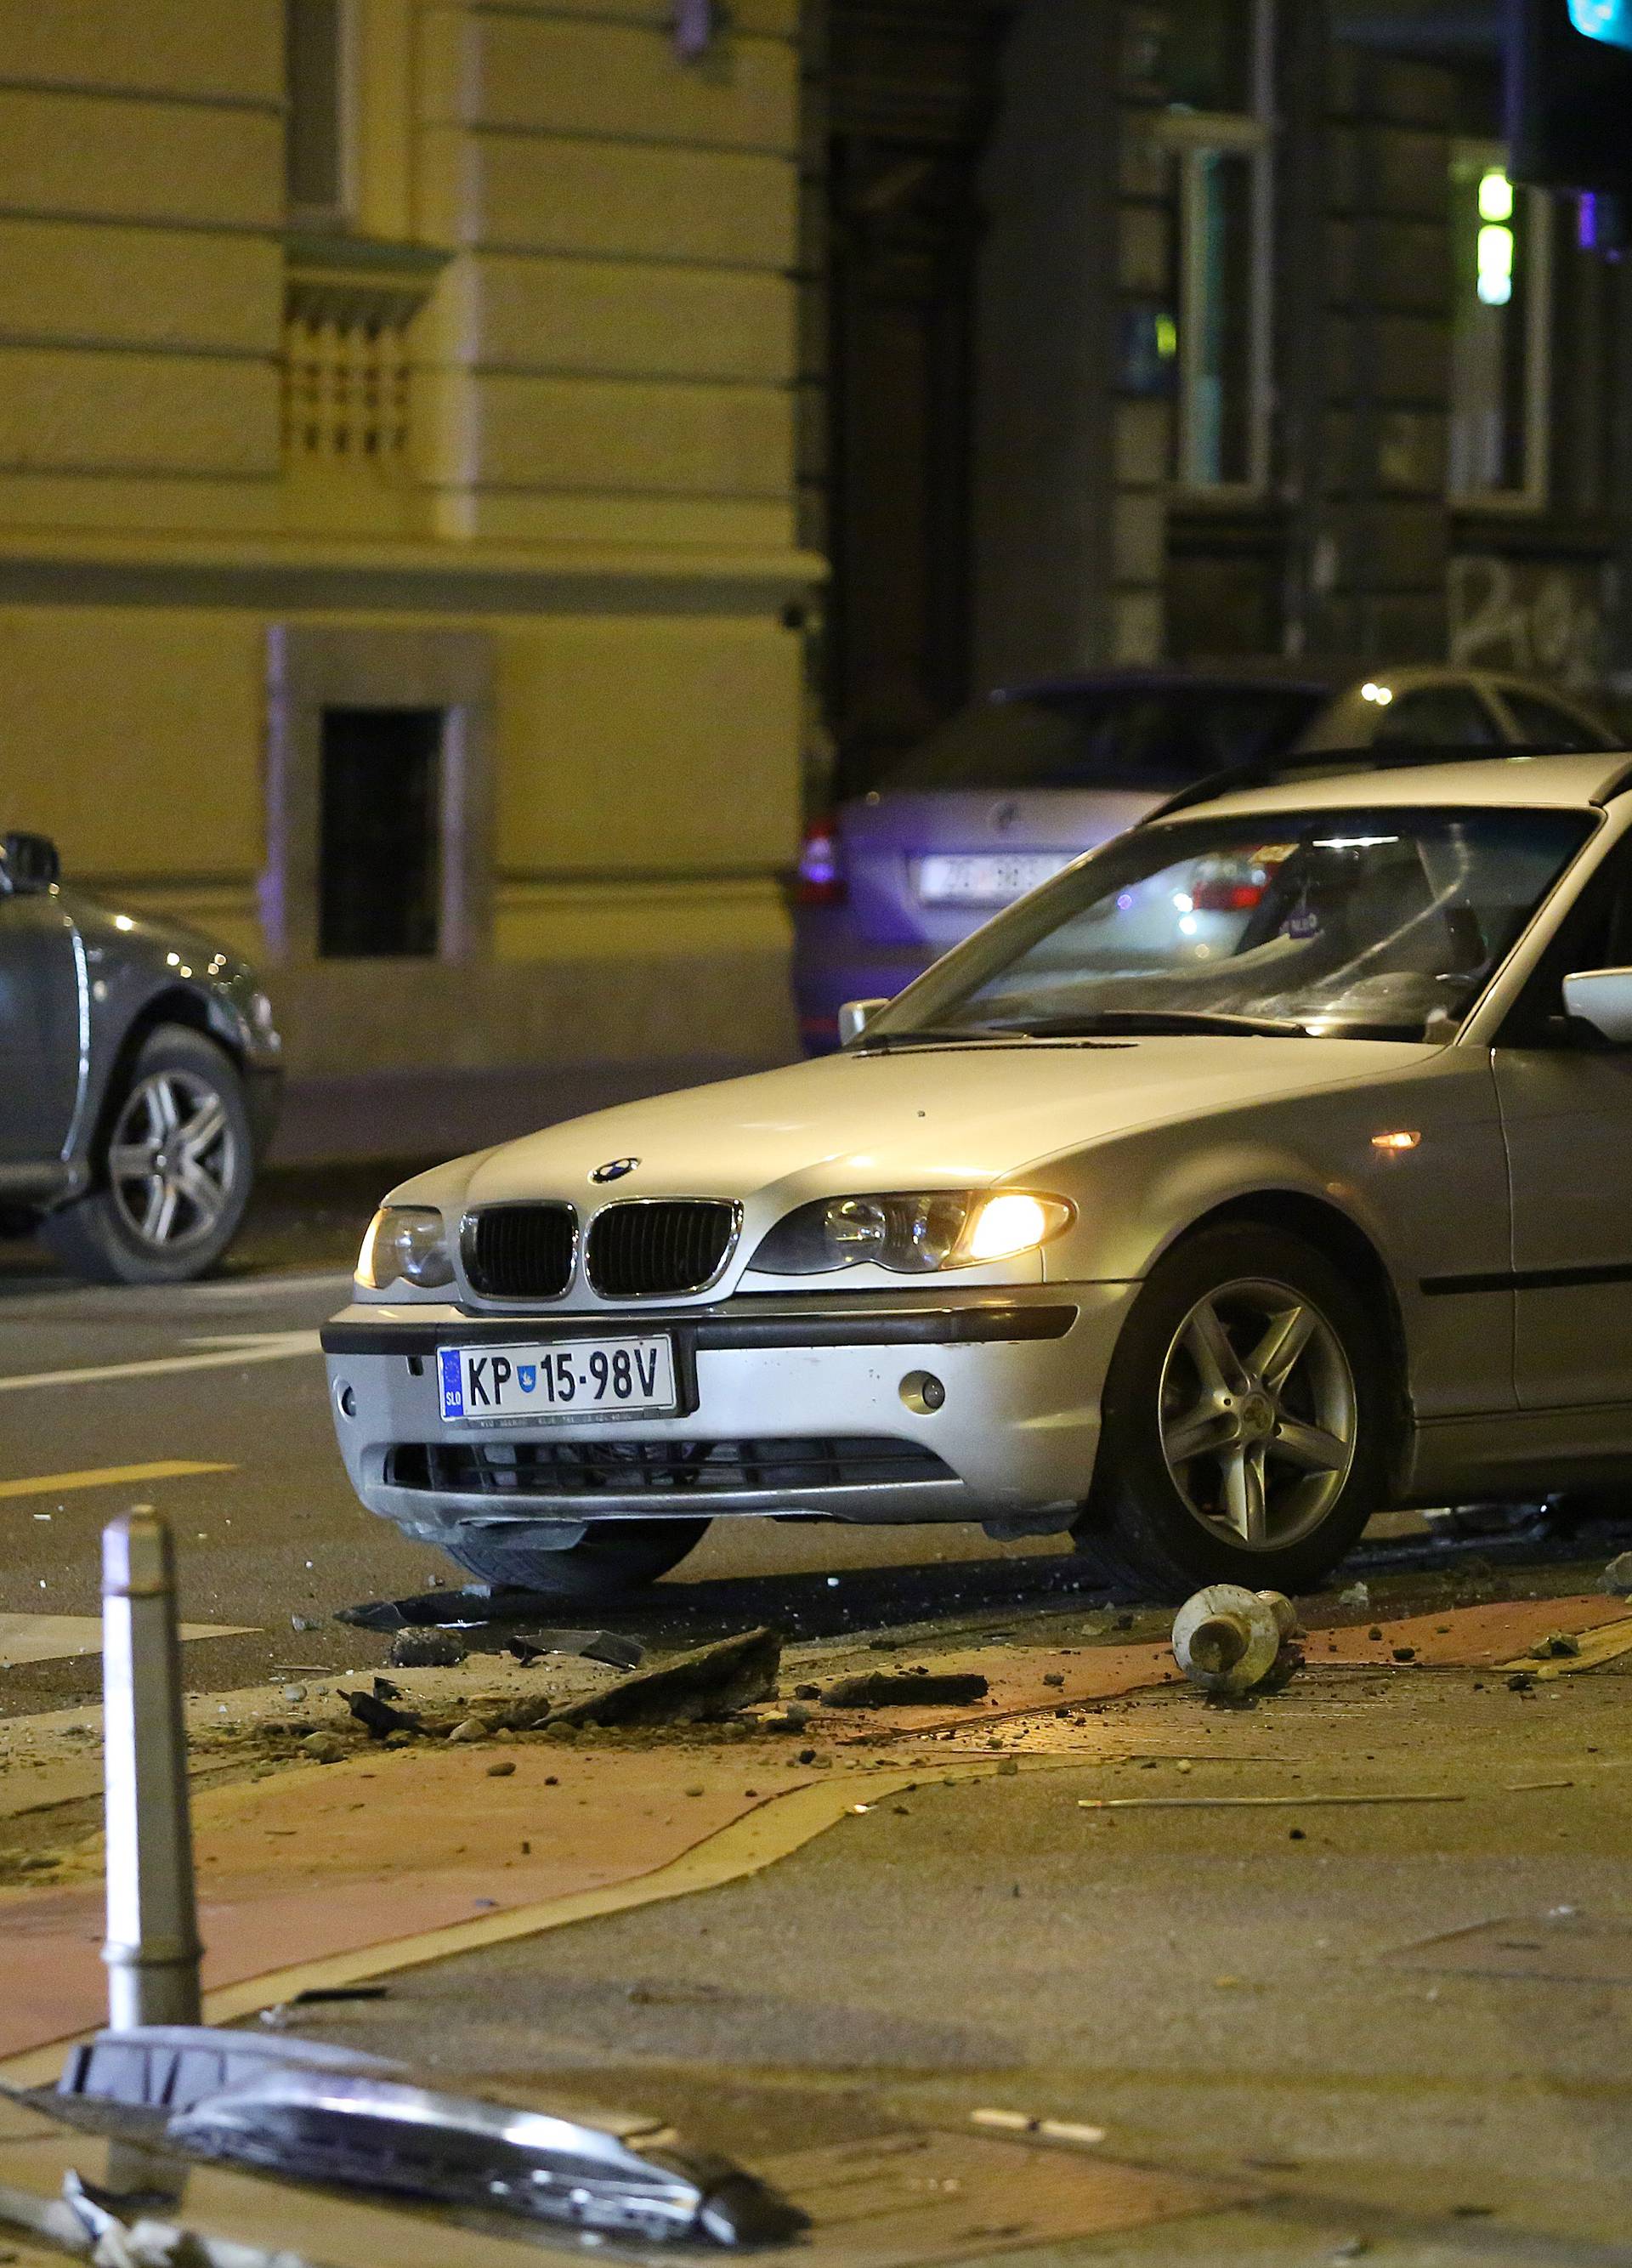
pixel 568 1378
pixel 985 878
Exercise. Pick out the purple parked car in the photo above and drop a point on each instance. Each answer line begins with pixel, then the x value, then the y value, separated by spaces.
pixel 1013 788
pixel 1002 796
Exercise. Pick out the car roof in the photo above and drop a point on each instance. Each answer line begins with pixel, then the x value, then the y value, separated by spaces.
pixel 1334 781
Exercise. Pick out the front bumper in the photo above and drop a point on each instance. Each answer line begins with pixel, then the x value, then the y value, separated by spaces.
pixel 788 1394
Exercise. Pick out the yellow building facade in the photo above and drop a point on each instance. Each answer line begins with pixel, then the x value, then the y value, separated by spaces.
pixel 398 562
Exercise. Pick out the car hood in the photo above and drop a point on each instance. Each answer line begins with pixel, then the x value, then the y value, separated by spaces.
pixel 933 1117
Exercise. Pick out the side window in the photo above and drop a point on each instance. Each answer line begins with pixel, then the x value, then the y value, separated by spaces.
pixel 1547 726
pixel 1597 935
pixel 1453 714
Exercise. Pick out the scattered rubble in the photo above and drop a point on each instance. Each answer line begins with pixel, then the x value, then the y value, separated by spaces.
pixel 710 1681
pixel 427 1649
pixel 1557 1645
pixel 911 1689
pixel 1617 1577
pixel 1358 1595
pixel 377 1718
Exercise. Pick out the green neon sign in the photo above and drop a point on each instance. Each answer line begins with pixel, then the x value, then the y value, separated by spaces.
pixel 1609 20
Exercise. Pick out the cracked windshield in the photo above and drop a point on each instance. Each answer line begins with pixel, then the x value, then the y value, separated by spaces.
pixel 1369 925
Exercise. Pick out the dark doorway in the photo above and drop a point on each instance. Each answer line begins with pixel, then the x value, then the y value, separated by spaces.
pixel 912 90
pixel 379 874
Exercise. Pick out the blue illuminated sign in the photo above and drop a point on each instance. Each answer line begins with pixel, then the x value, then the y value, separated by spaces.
pixel 1610 20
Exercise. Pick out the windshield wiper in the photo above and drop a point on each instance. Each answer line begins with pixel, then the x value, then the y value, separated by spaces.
pixel 1156 1023
pixel 886 1042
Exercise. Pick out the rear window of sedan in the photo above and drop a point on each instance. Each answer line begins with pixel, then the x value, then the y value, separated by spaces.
pixel 1156 737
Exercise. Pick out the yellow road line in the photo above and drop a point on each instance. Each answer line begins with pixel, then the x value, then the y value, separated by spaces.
pixel 166 1469
pixel 757 1839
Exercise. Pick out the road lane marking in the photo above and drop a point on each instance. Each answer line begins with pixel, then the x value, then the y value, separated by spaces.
pixel 166 1469
pixel 63 1638
pixel 249 1346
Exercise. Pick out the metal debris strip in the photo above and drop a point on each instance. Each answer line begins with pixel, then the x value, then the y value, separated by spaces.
pixel 617 1652
pixel 1250 1802
pixel 633 2180
pixel 480 1605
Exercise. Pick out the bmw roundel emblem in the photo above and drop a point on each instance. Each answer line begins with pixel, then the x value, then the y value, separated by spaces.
pixel 614 1169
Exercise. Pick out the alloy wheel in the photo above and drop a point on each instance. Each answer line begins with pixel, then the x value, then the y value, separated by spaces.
pixel 1258 1414
pixel 172 1162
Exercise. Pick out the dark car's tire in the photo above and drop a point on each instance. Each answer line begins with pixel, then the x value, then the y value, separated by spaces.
pixel 616 1555
pixel 173 1168
pixel 1202 1449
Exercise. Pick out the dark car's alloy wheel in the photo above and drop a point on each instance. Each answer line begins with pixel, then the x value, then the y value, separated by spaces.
pixel 175 1169
pixel 1246 1419
pixel 173 1161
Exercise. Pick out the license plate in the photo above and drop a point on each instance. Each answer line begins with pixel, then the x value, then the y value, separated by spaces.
pixel 986 878
pixel 568 1378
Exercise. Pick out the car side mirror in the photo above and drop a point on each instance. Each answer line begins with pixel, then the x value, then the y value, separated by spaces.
pixel 1602 998
pixel 854 1018
pixel 29 863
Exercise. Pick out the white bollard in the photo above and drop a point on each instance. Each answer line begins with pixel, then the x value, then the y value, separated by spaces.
pixel 152 1949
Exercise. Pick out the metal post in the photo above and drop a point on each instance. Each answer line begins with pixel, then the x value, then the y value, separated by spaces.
pixel 152 1950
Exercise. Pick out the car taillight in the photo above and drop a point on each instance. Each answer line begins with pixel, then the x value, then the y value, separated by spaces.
pixel 822 865
pixel 1227 897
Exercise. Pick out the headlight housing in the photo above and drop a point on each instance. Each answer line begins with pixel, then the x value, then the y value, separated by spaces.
pixel 404 1244
pixel 915 1233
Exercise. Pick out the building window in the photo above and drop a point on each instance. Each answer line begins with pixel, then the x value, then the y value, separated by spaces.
pixel 379 873
pixel 1217 131
pixel 318 118
pixel 1501 238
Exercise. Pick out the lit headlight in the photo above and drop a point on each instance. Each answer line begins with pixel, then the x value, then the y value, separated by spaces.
pixel 406 1244
pixel 912 1234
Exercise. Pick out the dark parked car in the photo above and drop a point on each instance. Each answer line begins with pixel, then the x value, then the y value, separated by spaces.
pixel 1014 787
pixel 139 1076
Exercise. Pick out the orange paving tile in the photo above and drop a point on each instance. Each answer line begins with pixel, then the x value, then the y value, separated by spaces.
pixel 332 1859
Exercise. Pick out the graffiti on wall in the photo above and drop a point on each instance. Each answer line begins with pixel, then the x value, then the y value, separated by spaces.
pixel 1535 617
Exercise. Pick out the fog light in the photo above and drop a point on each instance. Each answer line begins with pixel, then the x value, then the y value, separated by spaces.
pixel 923 1392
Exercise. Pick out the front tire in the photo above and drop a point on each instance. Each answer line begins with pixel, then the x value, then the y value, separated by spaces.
pixel 1247 1420
pixel 173 1170
pixel 616 1555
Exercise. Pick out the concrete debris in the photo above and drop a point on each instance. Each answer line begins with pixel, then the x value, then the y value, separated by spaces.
pixel 502 1770
pixel 384 1690
pixel 325 1748
pixel 427 1649
pixel 911 1689
pixel 471 1728
pixel 305 1623
pixel 1358 1595
pixel 377 1718
pixel 1231 1641
pixel 1054 1677
pixel 709 1683
pixel 589 1645
pixel 1557 1645
pixel 1520 1682
pixel 1617 1577
pixel 477 1604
